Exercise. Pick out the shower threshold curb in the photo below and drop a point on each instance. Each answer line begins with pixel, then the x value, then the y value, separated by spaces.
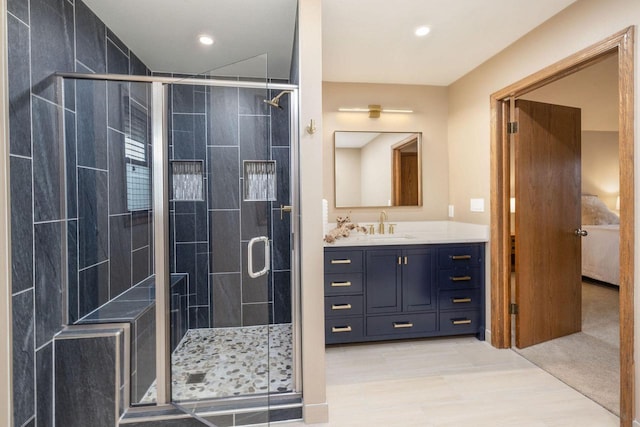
pixel 278 403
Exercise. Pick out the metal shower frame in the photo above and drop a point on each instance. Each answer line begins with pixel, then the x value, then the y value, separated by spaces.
pixel 160 161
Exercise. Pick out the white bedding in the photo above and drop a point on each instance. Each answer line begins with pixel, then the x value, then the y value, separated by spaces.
pixel 601 253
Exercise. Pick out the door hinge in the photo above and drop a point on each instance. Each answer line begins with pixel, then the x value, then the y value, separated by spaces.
pixel 513 308
pixel 512 127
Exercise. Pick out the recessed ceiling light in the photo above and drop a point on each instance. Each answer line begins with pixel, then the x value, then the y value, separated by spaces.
pixel 422 31
pixel 205 39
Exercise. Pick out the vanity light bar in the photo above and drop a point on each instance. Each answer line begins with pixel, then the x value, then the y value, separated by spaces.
pixel 367 110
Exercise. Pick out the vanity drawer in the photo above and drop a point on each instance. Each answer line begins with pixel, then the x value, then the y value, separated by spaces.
pixel 460 256
pixel 343 283
pixel 341 330
pixel 345 305
pixel 347 261
pixel 459 278
pixel 460 322
pixel 400 324
pixel 459 299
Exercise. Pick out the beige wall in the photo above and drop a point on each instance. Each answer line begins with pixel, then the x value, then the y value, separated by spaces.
pixel 600 166
pixel 430 117
pixel 5 233
pixel 349 161
pixel 577 27
pixel 312 285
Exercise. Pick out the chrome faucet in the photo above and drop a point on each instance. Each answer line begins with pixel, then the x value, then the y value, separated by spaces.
pixel 383 216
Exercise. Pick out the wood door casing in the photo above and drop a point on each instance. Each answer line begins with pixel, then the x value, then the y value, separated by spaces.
pixel 548 257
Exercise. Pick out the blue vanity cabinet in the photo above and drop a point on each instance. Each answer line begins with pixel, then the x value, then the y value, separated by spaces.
pixel 344 299
pixel 384 281
pixel 377 293
pixel 461 289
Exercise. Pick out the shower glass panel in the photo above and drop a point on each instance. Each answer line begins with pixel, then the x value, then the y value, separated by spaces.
pixel 110 233
pixel 231 315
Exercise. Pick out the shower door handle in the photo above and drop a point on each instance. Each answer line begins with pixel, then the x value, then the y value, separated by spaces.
pixel 267 257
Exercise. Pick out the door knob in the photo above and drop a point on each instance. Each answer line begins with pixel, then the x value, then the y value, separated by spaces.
pixel 580 232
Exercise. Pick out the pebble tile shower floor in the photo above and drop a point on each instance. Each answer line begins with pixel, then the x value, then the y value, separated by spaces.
pixel 234 361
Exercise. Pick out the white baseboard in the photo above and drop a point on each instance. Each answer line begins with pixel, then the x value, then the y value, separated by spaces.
pixel 487 337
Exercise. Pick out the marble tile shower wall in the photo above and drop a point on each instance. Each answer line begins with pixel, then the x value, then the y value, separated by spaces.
pixel 45 36
pixel 221 127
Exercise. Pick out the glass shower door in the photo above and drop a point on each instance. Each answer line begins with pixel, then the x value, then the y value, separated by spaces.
pixel 230 255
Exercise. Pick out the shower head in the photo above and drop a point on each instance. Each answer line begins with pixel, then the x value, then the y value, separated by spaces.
pixel 275 101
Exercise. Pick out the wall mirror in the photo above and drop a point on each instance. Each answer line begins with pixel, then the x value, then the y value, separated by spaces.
pixel 375 169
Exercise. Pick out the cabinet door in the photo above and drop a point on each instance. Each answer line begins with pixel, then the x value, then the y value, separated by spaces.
pixel 383 289
pixel 418 290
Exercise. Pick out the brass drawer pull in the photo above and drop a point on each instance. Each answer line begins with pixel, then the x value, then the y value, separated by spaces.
pixel 400 325
pixel 341 307
pixel 340 261
pixel 340 284
pixel 460 300
pixel 337 329
pixel 460 257
pixel 460 278
pixel 461 321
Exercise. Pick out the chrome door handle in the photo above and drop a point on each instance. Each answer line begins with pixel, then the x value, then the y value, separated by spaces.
pixel 580 232
pixel 267 257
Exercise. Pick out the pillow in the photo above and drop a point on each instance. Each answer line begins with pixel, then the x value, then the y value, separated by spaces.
pixel 595 212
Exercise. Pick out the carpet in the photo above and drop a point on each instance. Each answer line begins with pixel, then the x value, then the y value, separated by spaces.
pixel 588 361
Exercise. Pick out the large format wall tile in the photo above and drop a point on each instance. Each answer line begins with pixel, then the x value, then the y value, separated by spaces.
pixel 19 87
pixel 21 225
pixel 72 170
pixel 93 220
pixel 52 44
pixel 93 287
pixel 282 297
pixel 47 161
pixel 90 39
pixel 92 123
pixel 117 173
pixel 254 138
pixel 225 241
pixel 223 178
pixel 19 8
pixel 120 254
pixel 226 295
pixel 49 281
pixel 72 270
pixel 223 123
pixel 89 364
pixel 44 381
pixel 23 357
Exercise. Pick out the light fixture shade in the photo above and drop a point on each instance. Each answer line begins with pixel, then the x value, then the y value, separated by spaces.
pixel 512 205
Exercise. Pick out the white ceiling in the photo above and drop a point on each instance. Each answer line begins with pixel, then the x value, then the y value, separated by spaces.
pixel 363 40
pixel 164 33
pixel 372 41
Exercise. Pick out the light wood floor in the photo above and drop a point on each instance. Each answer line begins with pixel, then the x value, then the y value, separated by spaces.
pixel 451 382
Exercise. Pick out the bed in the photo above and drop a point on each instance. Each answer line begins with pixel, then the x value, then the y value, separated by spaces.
pixel 601 246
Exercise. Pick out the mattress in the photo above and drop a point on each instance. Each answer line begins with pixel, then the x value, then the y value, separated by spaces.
pixel 601 253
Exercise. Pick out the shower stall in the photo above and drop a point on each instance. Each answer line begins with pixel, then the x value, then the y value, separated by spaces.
pixel 181 199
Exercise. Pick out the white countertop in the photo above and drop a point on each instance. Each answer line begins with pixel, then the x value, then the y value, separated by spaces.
pixel 416 233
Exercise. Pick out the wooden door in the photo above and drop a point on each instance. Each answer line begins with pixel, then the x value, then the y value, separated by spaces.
pixel 548 255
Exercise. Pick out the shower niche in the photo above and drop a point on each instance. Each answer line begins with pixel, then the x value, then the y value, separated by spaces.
pixel 259 180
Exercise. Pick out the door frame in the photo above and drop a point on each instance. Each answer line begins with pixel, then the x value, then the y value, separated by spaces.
pixel 621 43
pixel 396 168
